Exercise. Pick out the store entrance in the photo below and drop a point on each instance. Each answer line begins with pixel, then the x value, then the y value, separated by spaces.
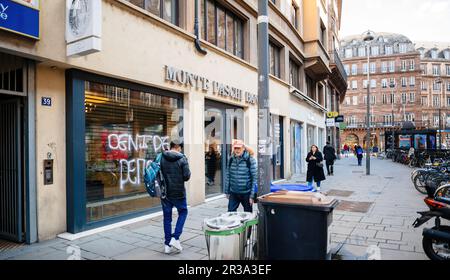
pixel 223 123
pixel 11 169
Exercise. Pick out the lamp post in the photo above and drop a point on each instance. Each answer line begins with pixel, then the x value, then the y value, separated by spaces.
pixel 392 85
pixel 368 36
pixel 438 81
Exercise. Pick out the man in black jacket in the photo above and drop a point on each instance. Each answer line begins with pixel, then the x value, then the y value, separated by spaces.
pixel 330 156
pixel 175 170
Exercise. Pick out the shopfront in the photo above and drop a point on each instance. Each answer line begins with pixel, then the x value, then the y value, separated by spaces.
pixel 114 129
pixel 296 147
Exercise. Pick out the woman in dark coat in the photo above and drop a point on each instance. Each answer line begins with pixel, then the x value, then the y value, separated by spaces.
pixel 315 167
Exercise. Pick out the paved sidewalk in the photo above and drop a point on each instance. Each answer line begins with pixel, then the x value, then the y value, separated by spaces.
pixel 386 224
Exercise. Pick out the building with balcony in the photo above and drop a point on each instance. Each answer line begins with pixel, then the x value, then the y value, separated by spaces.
pixel 94 99
pixel 435 87
pixel 395 79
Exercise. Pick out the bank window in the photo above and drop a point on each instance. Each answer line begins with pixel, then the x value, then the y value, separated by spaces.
pixel 275 53
pixel 222 27
pixel 165 9
pixel 294 74
pixel 125 129
pixel 294 15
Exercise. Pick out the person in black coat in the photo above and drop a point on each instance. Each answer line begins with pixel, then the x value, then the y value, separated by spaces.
pixel 329 154
pixel 315 167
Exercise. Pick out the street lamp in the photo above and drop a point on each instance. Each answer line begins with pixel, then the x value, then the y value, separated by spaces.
pixel 368 36
pixel 438 81
pixel 392 85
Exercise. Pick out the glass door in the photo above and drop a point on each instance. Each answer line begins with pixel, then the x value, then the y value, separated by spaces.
pixel 223 123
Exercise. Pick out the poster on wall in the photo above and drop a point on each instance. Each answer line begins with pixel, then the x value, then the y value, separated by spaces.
pixel 420 141
pixel 404 141
pixel 20 17
pixel 433 142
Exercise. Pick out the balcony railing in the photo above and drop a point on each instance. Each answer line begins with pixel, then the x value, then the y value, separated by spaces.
pixel 335 59
pixel 397 124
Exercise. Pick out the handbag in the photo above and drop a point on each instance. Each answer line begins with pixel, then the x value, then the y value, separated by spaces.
pixel 319 164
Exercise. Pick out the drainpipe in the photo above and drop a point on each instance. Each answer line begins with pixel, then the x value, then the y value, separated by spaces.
pixel 197 32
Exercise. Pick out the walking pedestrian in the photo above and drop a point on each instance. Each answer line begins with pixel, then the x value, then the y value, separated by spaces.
pixel 315 167
pixel 175 171
pixel 346 150
pixel 359 154
pixel 329 154
pixel 240 178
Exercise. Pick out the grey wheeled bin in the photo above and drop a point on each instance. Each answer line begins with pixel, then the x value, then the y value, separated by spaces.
pixel 296 226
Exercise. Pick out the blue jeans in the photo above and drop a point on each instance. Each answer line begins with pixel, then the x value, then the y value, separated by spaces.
pixel 236 199
pixel 310 184
pixel 359 161
pixel 167 206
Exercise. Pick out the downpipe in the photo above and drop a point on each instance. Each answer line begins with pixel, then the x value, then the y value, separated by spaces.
pixel 197 32
pixel 436 234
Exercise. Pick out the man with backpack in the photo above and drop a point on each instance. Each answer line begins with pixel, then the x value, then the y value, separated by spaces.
pixel 359 154
pixel 175 171
pixel 240 178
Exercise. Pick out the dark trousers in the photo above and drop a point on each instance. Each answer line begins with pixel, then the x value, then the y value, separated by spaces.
pixel 236 199
pixel 359 161
pixel 330 167
pixel 167 205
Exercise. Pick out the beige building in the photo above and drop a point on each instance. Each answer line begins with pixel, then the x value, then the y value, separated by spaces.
pixel 86 125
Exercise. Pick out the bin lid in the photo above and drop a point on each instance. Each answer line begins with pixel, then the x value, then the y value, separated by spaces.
pixel 241 216
pixel 298 198
pixel 222 223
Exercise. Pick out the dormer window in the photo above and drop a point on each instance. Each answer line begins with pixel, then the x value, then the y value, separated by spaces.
pixel 447 54
pixel 434 54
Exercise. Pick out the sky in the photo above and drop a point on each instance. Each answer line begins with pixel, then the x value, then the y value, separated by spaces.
pixel 419 20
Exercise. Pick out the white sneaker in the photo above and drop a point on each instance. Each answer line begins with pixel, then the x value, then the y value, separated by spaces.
pixel 167 249
pixel 176 243
pixel 318 189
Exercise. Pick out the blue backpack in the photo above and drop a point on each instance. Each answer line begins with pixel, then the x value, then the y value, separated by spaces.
pixel 359 151
pixel 154 180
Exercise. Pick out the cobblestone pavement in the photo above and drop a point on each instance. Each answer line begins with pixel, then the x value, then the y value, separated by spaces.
pixel 391 206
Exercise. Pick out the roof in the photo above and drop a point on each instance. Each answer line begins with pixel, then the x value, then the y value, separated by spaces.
pixel 380 37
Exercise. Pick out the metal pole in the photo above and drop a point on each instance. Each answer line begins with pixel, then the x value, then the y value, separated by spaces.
pixel 368 114
pixel 393 121
pixel 440 129
pixel 264 141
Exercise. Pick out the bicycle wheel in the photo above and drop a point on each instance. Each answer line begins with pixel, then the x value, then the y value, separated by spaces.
pixel 419 183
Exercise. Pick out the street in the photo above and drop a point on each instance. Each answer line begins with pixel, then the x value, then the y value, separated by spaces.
pixel 376 210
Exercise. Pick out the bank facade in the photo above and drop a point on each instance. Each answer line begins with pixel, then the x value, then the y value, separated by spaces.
pixel 85 117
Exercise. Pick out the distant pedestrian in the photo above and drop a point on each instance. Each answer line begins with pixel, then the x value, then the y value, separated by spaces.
pixel 346 150
pixel 315 167
pixel 175 170
pixel 241 178
pixel 329 154
pixel 359 154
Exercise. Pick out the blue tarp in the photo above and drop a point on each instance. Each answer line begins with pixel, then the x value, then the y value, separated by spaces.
pixel 289 187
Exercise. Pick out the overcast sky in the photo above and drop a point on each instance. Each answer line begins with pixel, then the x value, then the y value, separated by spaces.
pixel 419 20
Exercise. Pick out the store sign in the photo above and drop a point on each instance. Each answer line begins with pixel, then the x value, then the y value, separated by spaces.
pixel 83 27
pixel 332 114
pixel 20 16
pixel 339 119
pixel 201 83
pixel 331 122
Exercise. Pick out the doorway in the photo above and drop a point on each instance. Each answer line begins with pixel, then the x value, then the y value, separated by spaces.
pixel 223 123
pixel 11 169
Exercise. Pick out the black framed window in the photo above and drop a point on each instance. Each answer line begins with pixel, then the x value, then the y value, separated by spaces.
pixel 222 27
pixel 294 15
pixel 165 9
pixel 294 74
pixel 275 54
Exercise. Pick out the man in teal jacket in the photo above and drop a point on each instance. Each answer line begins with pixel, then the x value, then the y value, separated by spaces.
pixel 241 178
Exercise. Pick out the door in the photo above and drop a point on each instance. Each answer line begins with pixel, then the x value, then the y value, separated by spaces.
pixel 11 170
pixel 223 123
pixel 296 131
